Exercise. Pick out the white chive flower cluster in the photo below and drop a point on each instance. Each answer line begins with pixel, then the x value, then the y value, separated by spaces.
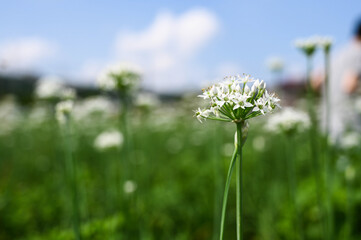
pixel 51 87
pixel 63 110
pixel 234 101
pixel 350 140
pixel 129 186
pixel 147 100
pixel 288 121
pixel 310 44
pixel 97 106
pixel 109 139
pixel 120 76
pixel 325 42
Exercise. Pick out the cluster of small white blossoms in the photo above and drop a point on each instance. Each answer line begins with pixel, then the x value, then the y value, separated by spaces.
pixel 309 45
pixel 63 110
pixel 288 120
pixel 10 116
pixel 121 76
pixel 234 101
pixel 109 139
pixel 38 115
pixel 350 140
pixel 50 87
pixel 129 186
pixel 147 100
pixel 325 42
pixel 97 106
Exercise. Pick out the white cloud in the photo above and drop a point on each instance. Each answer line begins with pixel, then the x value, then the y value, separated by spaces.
pixel 25 53
pixel 167 47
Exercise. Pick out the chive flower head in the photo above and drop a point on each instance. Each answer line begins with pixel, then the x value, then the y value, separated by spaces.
pixel 109 139
pixel 63 110
pixel 232 100
pixel 307 45
pixel 121 76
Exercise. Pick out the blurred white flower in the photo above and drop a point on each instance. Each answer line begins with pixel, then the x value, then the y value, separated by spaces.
pixel 38 115
pixel 121 76
pixel 307 45
pixel 350 140
pixel 68 94
pixel 325 42
pixel 63 110
pixel 350 173
pixel 10 116
pixel 98 106
pixel 147 100
pixel 288 120
pixel 129 186
pixel 232 100
pixel 49 87
pixel 342 162
pixel 259 143
pixel 275 64
pixel 109 139
pixel 164 119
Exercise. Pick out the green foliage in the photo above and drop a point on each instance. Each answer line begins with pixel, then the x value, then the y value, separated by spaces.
pixel 179 167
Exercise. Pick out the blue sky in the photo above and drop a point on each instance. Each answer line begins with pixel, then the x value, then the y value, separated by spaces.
pixel 77 38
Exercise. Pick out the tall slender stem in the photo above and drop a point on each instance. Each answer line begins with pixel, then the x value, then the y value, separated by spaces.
pixel 124 163
pixel 72 174
pixel 218 176
pixel 123 126
pixel 239 183
pixel 129 171
pixel 327 90
pixel 314 144
pixel 226 189
pixel 349 208
pixel 328 171
pixel 292 186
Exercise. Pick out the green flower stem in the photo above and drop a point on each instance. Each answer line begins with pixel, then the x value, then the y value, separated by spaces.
pixel 327 160
pixel 129 168
pixel 218 178
pixel 350 209
pixel 129 205
pixel 125 167
pixel 72 176
pixel 314 144
pixel 124 128
pixel 327 90
pixel 225 195
pixel 292 186
pixel 239 183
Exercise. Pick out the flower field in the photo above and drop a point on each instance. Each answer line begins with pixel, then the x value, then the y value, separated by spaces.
pixel 180 120
pixel 171 186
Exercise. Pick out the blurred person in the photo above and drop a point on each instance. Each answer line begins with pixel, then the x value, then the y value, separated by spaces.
pixel 344 86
